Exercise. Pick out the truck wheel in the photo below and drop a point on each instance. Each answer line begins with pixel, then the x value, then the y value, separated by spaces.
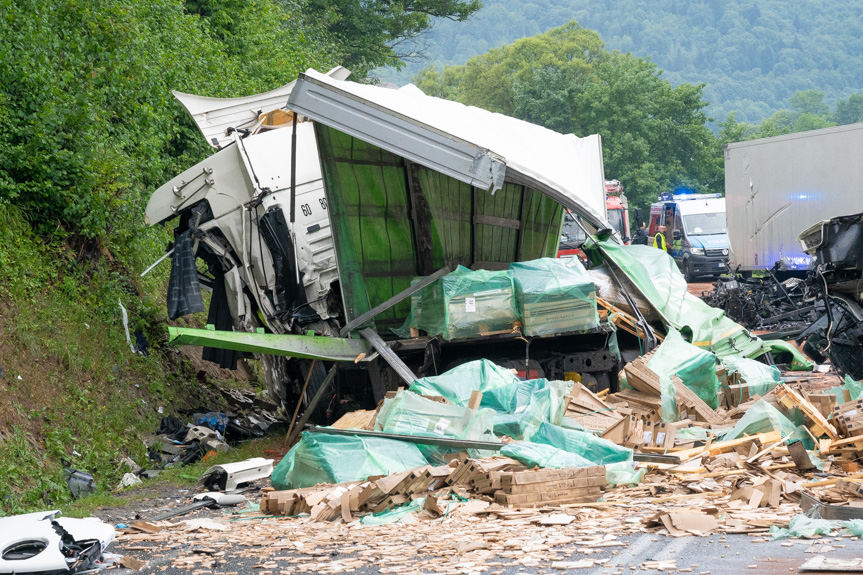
pixel 687 272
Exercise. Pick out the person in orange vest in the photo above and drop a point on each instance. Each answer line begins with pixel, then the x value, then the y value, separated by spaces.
pixel 659 239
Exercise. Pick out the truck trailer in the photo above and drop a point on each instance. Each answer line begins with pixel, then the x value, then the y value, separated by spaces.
pixel 775 188
pixel 329 204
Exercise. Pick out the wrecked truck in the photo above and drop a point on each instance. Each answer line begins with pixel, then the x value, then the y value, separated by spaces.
pixel 323 221
pixel 836 248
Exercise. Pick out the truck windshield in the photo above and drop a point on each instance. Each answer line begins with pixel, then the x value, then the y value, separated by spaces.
pixel 705 224
pixel 572 232
pixel 615 218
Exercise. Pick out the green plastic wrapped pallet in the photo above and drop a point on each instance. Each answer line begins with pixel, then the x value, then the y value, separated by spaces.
pixel 526 405
pixel 457 384
pixel 759 377
pixel 695 367
pixel 554 296
pixel 520 406
pixel 410 414
pixel 322 458
pixel 467 303
pixel 595 449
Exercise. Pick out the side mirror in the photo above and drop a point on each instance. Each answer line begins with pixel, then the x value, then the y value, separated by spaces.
pixel 676 234
pixel 639 219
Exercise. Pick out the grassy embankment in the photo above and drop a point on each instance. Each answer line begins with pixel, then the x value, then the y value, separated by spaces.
pixel 70 387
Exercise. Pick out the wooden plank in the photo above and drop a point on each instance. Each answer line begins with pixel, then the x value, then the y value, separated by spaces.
pixel 355 419
pixel 475 400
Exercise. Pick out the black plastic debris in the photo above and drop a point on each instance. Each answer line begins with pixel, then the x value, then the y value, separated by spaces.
pixel 80 483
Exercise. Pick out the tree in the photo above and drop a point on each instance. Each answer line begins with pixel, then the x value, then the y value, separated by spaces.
pixel 654 135
pixel 809 102
pixel 849 111
pixel 374 33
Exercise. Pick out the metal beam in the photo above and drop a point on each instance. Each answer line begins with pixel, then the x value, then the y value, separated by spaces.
pixel 467 443
pixel 388 354
pixel 402 295
pixel 310 408
pixel 421 439
pixel 318 347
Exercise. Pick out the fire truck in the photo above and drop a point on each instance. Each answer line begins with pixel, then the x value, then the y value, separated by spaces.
pixel 617 212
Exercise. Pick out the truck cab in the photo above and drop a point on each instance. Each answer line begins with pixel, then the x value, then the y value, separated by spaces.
pixel 617 209
pixel 696 232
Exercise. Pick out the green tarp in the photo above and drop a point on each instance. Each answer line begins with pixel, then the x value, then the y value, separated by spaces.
pixel 854 389
pixel 543 455
pixel 656 275
pixel 763 418
pixel 457 384
pixel 808 527
pixel 321 458
pixel 596 449
pixel 695 367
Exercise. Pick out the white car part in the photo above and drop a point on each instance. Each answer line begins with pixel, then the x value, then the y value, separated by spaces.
pixel 228 476
pixel 34 543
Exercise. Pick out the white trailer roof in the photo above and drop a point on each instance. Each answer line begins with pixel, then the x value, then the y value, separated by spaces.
pixel 214 116
pixel 475 146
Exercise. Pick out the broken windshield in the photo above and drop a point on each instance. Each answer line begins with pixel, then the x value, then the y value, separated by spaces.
pixel 705 224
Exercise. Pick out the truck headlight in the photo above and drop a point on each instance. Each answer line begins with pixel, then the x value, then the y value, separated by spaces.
pixel 697 251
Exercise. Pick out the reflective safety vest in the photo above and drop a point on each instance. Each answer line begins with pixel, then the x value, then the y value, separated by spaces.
pixel 659 242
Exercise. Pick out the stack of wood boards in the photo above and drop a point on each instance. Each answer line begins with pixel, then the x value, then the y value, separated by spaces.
pixel 482 475
pixel 689 405
pixel 848 418
pixel 544 487
pixel 327 502
pixel 465 477
pixel 590 411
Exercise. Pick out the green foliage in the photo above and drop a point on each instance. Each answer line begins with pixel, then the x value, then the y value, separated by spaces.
pixel 377 33
pixel 88 126
pixel 654 135
pixel 809 112
pixel 751 56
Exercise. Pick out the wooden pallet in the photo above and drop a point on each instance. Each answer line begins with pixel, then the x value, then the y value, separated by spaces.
pixel 819 425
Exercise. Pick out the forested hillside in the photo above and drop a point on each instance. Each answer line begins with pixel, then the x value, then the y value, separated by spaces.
pixel 752 56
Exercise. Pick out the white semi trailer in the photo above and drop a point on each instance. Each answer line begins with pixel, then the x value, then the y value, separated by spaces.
pixel 775 188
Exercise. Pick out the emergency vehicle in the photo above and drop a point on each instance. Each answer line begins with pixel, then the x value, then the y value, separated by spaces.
pixel 696 232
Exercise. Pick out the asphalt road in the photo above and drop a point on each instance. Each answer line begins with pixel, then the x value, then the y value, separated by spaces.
pixel 713 554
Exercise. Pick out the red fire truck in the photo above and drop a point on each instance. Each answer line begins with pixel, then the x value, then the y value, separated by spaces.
pixel 617 210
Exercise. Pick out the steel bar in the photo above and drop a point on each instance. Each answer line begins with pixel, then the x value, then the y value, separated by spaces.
pixel 388 354
pixel 402 295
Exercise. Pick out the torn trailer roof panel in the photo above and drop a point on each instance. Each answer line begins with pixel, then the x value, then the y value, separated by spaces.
pixel 472 145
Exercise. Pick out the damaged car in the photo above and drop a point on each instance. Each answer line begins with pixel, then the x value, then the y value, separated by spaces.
pixel 44 542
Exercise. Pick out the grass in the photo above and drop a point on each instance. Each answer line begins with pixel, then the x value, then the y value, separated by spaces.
pixel 173 477
pixel 70 387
